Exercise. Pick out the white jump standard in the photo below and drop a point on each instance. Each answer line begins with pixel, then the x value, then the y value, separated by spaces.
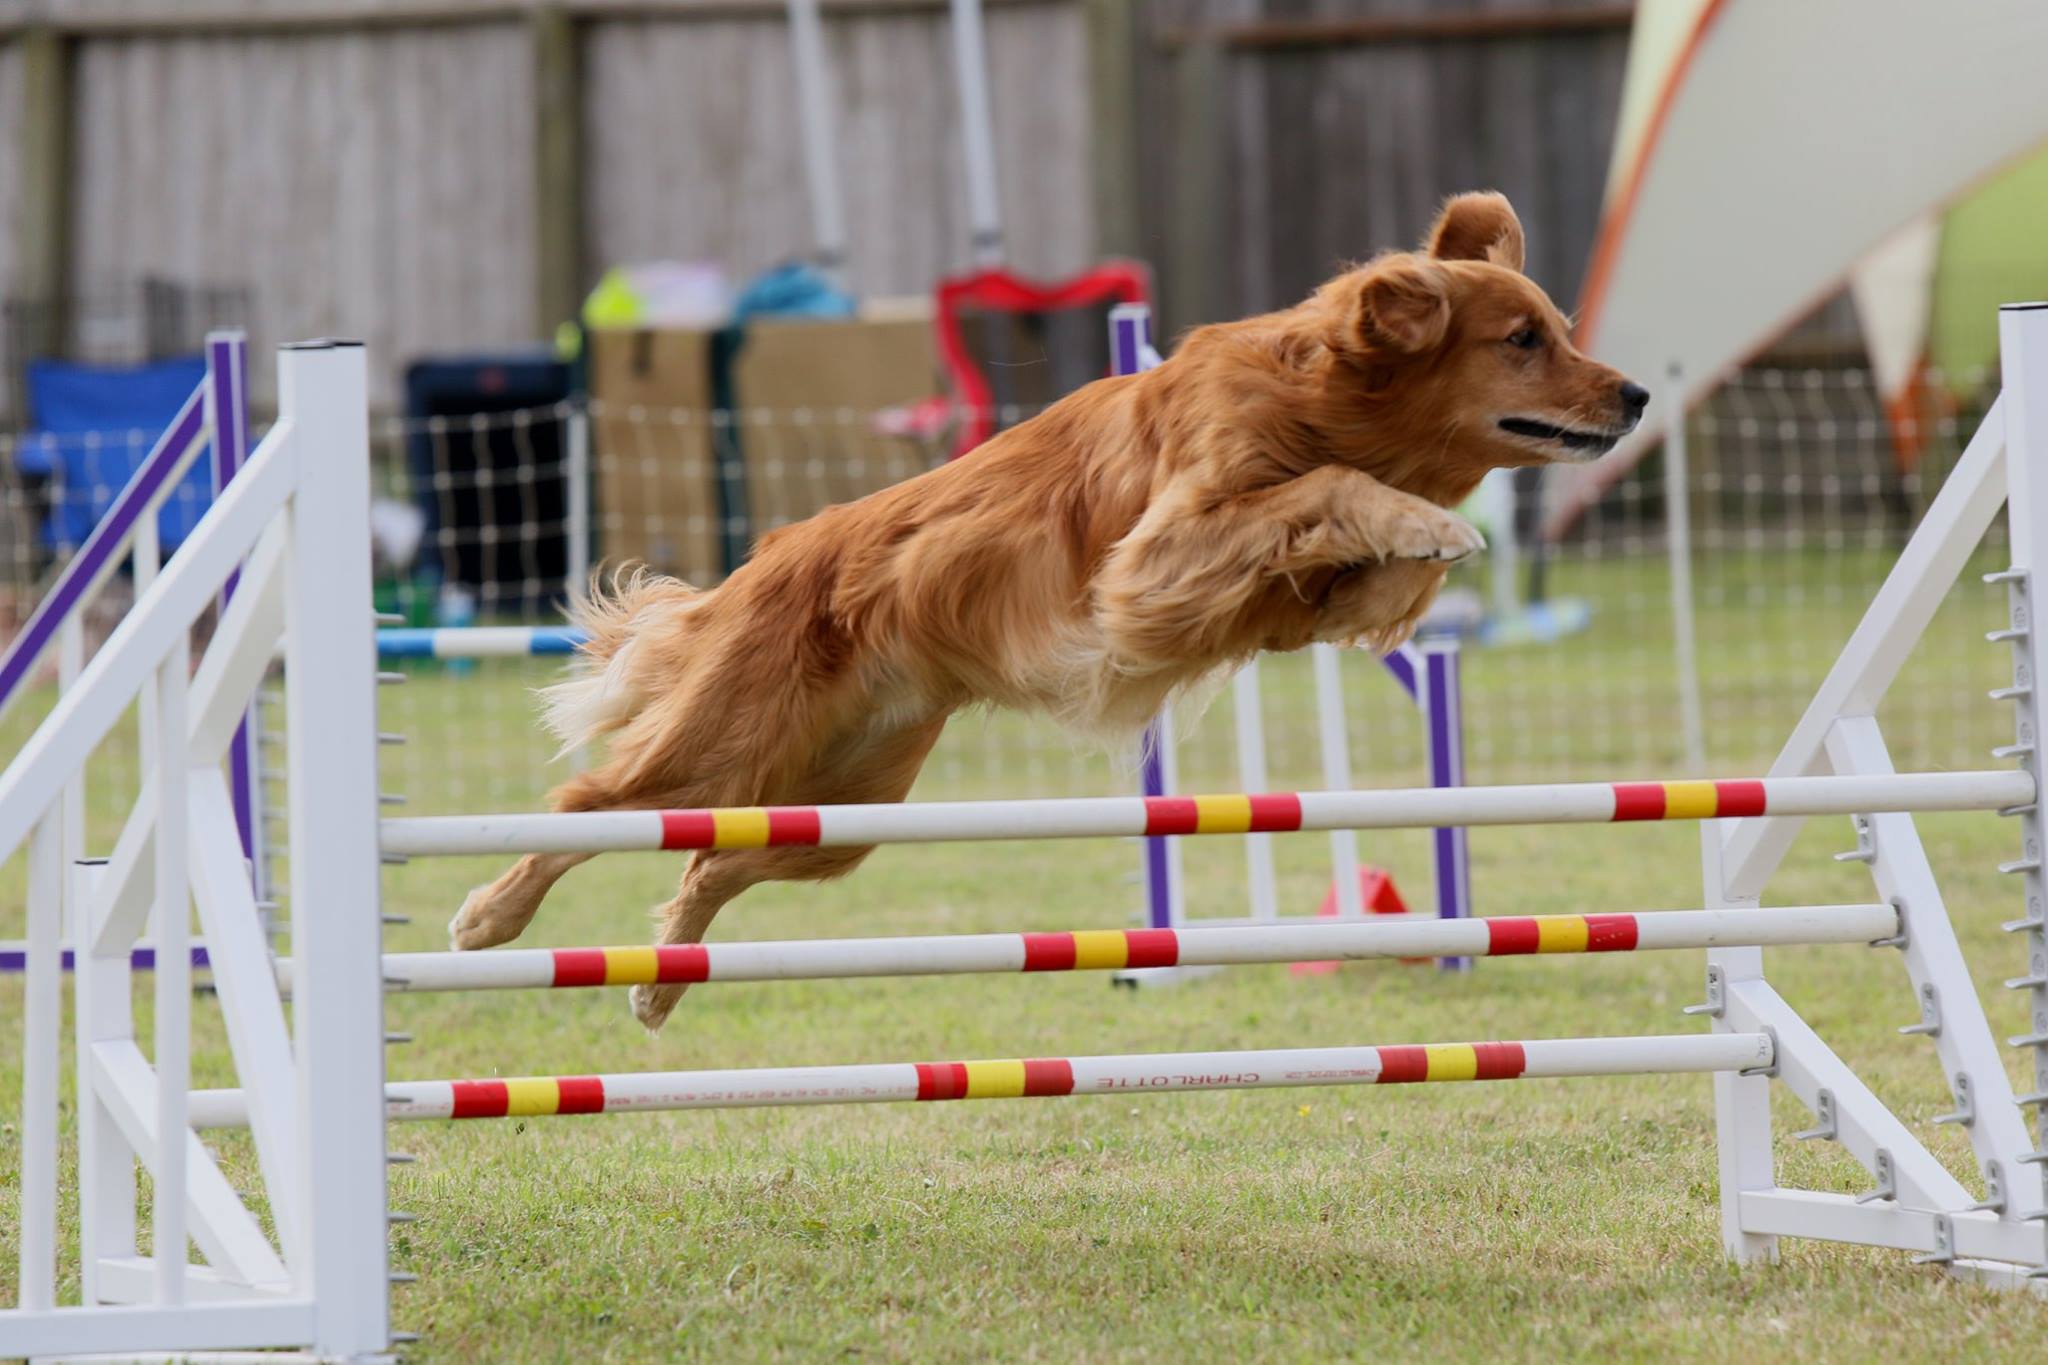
pixel 312 1088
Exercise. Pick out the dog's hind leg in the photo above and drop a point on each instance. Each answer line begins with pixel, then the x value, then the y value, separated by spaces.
pixel 714 877
pixel 500 911
pixel 855 770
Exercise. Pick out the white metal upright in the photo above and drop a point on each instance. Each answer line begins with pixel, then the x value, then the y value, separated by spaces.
pixel 1685 653
pixel 1248 707
pixel 2023 345
pixel 41 1023
pixel 172 1026
pixel 815 102
pixel 331 715
pixel 1331 734
pixel 977 133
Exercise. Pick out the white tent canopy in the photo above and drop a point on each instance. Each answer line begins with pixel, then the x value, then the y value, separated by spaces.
pixel 1766 148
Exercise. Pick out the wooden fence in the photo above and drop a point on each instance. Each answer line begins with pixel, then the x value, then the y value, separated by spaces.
pixel 453 175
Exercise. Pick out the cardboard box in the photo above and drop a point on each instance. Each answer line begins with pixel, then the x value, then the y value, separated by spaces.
pixel 652 452
pixel 809 392
pixel 803 433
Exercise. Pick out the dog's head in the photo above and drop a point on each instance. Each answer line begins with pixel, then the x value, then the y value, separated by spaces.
pixel 1472 352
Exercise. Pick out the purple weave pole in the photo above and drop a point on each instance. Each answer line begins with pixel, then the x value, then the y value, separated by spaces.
pixel 1446 714
pixel 1130 336
pixel 102 550
pixel 227 415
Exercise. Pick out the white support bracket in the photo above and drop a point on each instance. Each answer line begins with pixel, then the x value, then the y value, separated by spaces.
pixel 227 1233
pixel 249 1001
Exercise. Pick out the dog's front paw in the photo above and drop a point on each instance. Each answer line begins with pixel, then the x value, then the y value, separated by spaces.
pixel 1436 535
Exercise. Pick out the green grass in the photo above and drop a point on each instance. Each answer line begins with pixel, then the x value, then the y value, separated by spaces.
pixel 1526 1221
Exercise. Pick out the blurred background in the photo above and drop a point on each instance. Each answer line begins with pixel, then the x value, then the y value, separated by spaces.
pixel 644 279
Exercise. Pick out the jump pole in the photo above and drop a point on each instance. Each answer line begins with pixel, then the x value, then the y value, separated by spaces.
pixel 477 642
pixel 1131 816
pixel 1119 949
pixel 1030 1078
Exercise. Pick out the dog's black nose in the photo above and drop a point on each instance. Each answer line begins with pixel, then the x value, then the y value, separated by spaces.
pixel 1634 397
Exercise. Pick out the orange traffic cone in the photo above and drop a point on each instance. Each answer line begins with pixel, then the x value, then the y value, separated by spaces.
pixel 1380 897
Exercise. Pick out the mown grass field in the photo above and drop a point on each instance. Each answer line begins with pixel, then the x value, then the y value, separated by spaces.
pixel 1522 1221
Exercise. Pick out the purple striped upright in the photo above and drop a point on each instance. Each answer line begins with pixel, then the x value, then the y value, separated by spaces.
pixel 1445 713
pixel 227 413
pixel 1130 335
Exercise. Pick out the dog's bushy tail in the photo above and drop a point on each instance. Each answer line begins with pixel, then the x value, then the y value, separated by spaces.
pixel 605 689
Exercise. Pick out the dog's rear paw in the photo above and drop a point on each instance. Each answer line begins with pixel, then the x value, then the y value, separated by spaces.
pixel 651 1004
pixel 1436 535
pixel 474 926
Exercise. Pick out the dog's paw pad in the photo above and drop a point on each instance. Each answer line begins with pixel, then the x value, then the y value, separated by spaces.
pixel 473 928
pixel 458 924
pixel 652 1004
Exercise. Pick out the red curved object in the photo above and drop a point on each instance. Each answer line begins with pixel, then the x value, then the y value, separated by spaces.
pixel 999 291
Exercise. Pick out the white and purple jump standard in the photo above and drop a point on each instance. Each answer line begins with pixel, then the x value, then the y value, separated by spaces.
pixel 311 1086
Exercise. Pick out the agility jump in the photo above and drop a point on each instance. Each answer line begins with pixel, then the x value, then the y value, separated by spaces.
pixel 314 1096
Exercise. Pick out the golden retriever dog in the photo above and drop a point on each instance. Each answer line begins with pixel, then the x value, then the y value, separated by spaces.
pixel 1279 480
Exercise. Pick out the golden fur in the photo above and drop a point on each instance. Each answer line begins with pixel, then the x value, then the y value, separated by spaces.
pixel 1280 480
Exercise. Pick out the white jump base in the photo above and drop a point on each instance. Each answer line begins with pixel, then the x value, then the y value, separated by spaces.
pixel 1121 949
pixel 1130 816
pixel 1031 1078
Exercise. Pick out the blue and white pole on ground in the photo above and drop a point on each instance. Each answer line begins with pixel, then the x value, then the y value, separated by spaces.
pixel 478 642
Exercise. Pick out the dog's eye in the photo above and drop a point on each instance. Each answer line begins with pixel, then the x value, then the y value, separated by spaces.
pixel 1528 339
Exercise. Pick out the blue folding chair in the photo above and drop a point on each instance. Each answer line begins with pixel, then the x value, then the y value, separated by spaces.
pixel 92 425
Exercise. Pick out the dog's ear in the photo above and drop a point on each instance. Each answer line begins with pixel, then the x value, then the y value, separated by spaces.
pixel 1478 227
pixel 1404 304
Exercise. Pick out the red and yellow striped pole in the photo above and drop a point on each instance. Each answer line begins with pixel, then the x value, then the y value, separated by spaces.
pixel 1019 1078
pixel 1114 949
pixel 1094 817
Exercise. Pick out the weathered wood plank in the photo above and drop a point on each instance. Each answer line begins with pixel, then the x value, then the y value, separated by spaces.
pixel 376 185
pixel 183 18
pixel 11 65
pixel 1324 31
pixel 558 163
pixel 38 120
pixel 1112 117
pixel 1345 147
pixel 694 149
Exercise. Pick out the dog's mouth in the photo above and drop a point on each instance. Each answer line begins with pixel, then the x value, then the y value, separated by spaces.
pixel 1582 444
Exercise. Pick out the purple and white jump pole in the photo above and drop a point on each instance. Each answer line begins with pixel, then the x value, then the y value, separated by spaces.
pixel 1429 674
